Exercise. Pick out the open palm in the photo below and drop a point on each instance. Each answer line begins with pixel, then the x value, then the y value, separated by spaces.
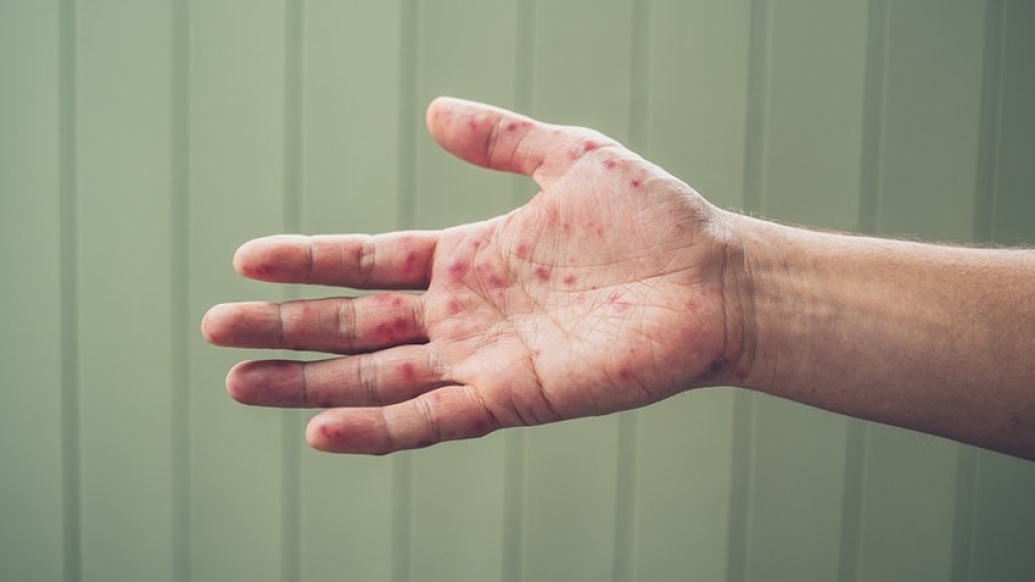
pixel 604 293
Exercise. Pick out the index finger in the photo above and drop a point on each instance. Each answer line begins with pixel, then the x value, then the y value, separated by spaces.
pixel 397 260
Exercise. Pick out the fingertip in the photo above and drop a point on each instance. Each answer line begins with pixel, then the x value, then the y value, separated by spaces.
pixel 267 258
pixel 211 329
pixel 352 430
pixel 249 255
pixel 316 433
pixel 436 109
pixel 235 382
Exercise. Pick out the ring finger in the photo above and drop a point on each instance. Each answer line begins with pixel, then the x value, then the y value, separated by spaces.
pixel 373 379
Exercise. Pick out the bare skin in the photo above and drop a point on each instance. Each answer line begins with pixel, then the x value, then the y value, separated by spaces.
pixel 618 286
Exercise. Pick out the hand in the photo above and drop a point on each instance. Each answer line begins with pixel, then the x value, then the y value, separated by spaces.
pixel 605 292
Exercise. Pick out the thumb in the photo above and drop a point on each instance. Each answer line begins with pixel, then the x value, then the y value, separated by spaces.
pixel 495 138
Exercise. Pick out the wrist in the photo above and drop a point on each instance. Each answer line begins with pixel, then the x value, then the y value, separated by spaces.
pixel 766 296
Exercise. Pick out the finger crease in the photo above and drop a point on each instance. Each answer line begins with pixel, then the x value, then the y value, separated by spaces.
pixel 304 376
pixel 367 258
pixel 346 324
pixel 368 379
pixel 494 135
pixel 386 429
pixel 280 325
pixel 424 410
pixel 480 402
pixel 309 252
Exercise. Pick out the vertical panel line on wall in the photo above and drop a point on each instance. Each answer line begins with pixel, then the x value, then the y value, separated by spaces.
pixel 628 423
pixel 402 463
pixel 514 468
pixel 874 95
pixel 69 291
pixel 744 407
pixel 292 216
pixel 179 311
pixel 991 121
pixel 985 195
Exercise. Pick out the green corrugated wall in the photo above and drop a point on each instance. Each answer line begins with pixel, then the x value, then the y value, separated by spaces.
pixel 142 141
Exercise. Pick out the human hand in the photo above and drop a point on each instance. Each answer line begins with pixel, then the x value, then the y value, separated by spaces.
pixel 605 292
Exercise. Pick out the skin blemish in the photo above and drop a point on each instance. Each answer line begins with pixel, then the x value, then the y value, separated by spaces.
pixel 740 373
pixel 407 371
pixel 458 269
pixel 495 280
pixel 614 300
pixel 522 250
pixel 410 262
pixel 589 146
pixel 610 164
pixel 475 244
pixel 479 425
pixel 453 307
pixel 624 373
pixel 635 184
pixel 328 432
pixel 263 270
pixel 512 126
pixel 569 280
pixel 472 124
pixel 542 273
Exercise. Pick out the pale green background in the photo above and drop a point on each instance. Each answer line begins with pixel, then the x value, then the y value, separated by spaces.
pixel 142 141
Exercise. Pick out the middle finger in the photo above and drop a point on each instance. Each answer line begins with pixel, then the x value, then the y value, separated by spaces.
pixel 341 325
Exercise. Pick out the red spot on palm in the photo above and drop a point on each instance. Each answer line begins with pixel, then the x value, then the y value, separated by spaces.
pixel 569 280
pixel 542 273
pixel 458 269
pixel 635 184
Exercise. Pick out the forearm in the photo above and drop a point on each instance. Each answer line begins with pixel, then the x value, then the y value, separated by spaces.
pixel 936 339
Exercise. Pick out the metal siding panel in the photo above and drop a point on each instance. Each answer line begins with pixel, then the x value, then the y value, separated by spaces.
pixel 123 200
pixel 349 157
pixel 1003 532
pixel 1014 207
pixel 236 182
pixel 31 489
pixel 581 76
pixel 810 171
pixel 927 158
pixel 698 85
pixel 466 50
